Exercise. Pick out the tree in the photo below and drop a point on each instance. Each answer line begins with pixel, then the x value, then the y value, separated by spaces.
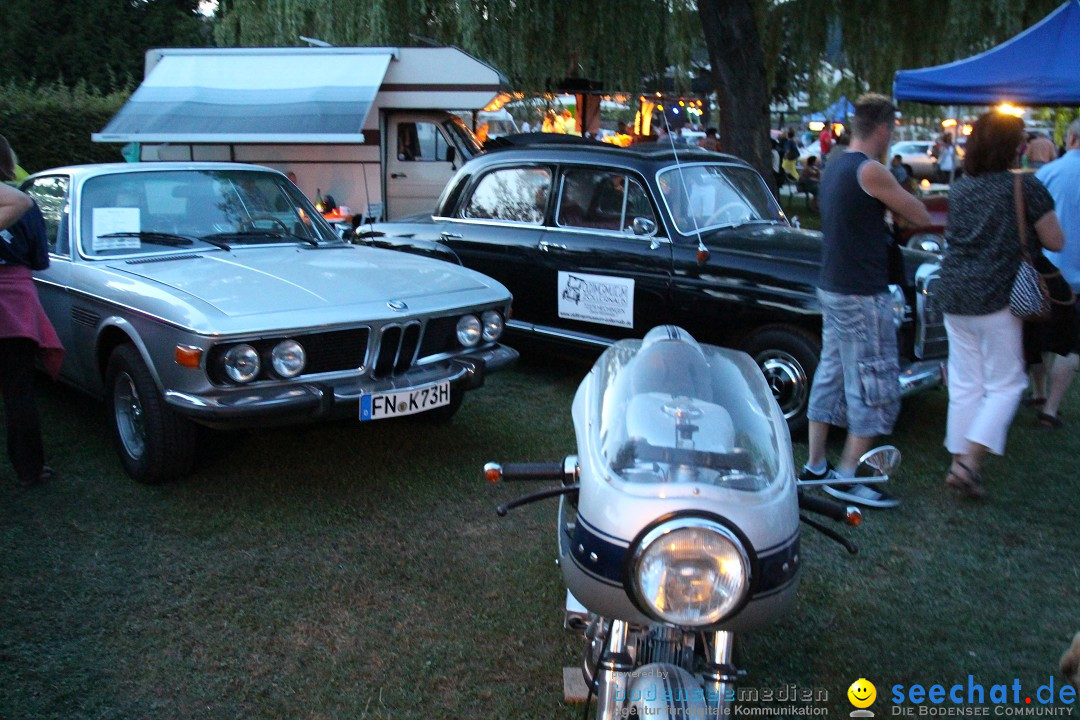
pixel 98 42
pixel 737 61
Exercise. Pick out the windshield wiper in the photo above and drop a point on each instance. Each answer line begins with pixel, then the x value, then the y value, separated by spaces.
pixel 263 234
pixel 154 238
pixel 163 238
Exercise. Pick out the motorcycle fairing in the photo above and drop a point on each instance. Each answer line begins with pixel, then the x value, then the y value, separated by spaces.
pixel 772 568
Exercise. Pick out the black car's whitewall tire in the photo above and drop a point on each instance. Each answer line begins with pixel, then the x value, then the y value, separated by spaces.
pixel 788 357
pixel 154 443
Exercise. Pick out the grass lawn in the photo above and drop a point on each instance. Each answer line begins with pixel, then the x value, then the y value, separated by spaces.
pixel 348 571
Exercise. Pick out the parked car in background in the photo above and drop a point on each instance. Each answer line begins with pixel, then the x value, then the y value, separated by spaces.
pixel 918 155
pixel 214 294
pixel 599 243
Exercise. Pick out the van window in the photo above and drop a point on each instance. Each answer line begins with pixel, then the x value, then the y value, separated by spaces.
pixel 421 142
pixel 513 194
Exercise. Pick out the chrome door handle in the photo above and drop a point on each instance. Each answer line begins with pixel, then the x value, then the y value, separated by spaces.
pixel 545 246
pixel 450 236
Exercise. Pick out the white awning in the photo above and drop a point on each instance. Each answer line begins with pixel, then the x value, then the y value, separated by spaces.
pixel 252 95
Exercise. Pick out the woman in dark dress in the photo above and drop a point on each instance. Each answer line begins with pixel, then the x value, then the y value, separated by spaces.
pixel 25 336
pixel 986 361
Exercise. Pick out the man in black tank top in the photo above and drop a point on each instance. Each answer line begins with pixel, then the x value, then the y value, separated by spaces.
pixel 856 385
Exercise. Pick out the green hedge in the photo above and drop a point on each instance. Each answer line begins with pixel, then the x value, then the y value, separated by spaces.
pixel 51 125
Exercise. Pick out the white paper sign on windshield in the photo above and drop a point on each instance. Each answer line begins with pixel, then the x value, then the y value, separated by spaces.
pixel 596 298
pixel 109 220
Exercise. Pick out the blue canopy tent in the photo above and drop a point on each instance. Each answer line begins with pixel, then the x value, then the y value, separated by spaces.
pixel 839 111
pixel 1037 67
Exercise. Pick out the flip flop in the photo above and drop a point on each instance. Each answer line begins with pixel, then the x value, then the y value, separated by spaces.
pixel 1052 422
pixel 970 486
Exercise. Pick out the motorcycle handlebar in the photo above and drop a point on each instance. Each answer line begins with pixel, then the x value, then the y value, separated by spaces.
pixel 832 510
pixel 511 472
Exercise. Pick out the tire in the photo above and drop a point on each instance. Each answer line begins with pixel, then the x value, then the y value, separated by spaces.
pixel 155 444
pixel 788 357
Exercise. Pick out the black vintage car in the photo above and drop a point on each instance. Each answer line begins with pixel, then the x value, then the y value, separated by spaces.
pixel 597 243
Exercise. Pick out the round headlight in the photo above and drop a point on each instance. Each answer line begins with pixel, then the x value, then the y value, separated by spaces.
pixel 493 325
pixel 242 363
pixel 927 242
pixel 468 330
pixel 690 572
pixel 288 358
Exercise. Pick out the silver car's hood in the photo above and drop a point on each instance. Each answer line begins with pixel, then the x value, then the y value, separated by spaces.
pixel 249 281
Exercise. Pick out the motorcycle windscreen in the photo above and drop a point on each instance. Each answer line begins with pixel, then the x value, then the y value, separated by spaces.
pixel 675 411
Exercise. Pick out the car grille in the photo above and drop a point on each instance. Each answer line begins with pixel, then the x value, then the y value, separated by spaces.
pixel 931 340
pixel 397 349
pixel 335 350
pixel 440 336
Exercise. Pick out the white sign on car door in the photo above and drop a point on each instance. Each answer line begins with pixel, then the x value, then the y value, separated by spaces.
pixel 596 298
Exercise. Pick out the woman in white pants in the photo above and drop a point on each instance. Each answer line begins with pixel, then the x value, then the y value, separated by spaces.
pixel 986 361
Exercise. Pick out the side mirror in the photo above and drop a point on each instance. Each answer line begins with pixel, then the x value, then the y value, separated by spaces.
pixel 878 464
pixel 451 154
pixel 644 226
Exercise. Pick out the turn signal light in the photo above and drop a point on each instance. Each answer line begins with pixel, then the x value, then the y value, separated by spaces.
pixel 854 516
pixel 188 356
pixel 493 472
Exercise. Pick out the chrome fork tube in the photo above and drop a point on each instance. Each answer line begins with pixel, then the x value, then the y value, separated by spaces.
pixel 720 675
pixel 613 674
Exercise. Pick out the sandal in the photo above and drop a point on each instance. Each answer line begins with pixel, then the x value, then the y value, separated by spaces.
pixel 969 484
pixel 1052 422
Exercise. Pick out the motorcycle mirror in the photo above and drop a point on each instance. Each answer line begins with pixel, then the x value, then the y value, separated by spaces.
pixel 881 461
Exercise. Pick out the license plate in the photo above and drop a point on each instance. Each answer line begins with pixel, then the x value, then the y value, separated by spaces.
pixel 376 406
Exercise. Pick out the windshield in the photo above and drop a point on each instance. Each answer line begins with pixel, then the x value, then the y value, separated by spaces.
pixel 179 210
pixel 673 411
pixel 700 197
pixel 462 138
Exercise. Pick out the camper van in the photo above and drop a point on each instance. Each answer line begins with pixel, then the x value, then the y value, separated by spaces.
pixel 370 127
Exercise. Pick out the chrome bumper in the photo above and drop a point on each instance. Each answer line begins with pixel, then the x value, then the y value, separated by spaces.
pixel 921 375
pixel 332 398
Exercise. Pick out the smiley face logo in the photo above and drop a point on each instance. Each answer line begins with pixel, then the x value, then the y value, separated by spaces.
pixel 862 693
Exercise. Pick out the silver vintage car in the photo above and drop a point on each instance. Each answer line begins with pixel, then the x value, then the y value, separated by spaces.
pixel 215 294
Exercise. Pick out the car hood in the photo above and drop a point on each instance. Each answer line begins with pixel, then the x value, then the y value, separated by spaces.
pixel 249 281
pixel 777 242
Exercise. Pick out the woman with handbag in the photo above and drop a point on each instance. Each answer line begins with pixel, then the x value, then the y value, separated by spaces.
pixel 997 220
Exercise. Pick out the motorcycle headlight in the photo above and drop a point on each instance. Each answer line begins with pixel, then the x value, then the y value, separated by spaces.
pixel 899 305
pixel 468 330
pixel 690 572
pixel 288 358
pixel 493 325
pixel 242 363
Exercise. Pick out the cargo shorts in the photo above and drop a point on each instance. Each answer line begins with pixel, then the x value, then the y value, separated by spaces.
pixel 857 383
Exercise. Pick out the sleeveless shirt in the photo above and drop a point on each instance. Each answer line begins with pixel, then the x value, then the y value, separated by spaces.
pixel 855 250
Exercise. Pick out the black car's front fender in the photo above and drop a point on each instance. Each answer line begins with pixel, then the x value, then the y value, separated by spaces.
pixel 406 243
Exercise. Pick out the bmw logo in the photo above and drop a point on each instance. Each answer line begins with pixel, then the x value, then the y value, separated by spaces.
pixel 398 305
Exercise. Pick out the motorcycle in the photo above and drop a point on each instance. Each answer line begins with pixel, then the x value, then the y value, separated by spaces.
pixel 678 523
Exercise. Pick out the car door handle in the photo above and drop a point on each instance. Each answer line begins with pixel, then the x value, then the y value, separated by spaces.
pixel 398 175
pixel 450 236
pixel 545 246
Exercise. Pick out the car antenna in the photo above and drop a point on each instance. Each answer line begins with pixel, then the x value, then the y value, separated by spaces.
pixel 702 250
